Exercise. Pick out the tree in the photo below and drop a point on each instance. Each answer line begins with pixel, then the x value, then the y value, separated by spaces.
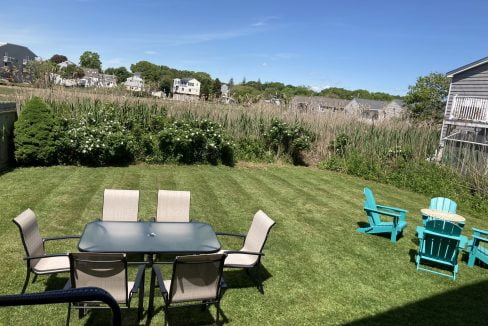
pixel 243 81
pixel 40 72
pixel 72 72
pixel 165 85
pixel 121 73
pixel 231 83
pixel 58 58
pixel 149 71
pixel 91 60
pixel 427 98
pixel 217 88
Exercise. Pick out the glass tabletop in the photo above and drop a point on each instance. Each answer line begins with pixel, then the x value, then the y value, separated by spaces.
pixel 149 237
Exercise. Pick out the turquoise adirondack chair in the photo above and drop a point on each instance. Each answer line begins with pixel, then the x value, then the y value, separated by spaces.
pixel 441 204
pixel 475 248
pixel 375 224
pixel 440 242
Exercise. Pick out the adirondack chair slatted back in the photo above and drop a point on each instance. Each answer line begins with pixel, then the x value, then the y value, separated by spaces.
pixel 369 202
pixel 435 245
pixel 443 204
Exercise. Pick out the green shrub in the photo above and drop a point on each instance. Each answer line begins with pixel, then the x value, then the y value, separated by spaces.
pixel 289 139
pixel 95 143
pixel 195 141
pixel 253 149
pixel 35 134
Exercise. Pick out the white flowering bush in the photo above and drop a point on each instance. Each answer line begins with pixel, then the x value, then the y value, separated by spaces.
pixel 196 141
pixel 98 142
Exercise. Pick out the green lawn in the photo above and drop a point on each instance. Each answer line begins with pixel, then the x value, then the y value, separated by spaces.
pixel 319 270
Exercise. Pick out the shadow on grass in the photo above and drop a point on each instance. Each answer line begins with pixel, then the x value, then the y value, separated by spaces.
pixel 386 235
pixel 463 306
pixel 56 281
pixel 189 315
pixel 245 278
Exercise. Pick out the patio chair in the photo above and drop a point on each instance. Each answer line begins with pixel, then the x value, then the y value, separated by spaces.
pixel 196 280
pixel 441 204
pixel 440 242
pixel 106 271
pixel 477 248
pixel 173 206
pixel 120 205
pixel 38 262
pixel 376 225
pixel 249 256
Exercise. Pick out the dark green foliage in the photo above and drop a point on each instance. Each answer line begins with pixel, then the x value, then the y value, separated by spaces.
pixel 121 73
pixel 337 92
pixel 91 60
pixel 283 138
pixel 58 58
pixel 427 98
pixel 72 71
pixel 35 134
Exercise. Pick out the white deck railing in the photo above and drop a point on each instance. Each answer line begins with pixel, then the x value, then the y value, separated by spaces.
pixel 469 108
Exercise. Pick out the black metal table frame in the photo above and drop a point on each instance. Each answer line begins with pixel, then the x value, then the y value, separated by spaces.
pixel 150 256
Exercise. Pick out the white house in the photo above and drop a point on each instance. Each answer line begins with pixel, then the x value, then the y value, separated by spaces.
pixel 188 86
pixel 65 64
pixel 135 83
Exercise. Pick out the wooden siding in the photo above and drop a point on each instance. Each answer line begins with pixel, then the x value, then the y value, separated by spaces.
pixel 472 82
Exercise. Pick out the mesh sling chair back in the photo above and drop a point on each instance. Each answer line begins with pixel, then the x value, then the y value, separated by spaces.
pixel 196 279
pixel 108 272
pixel 173 206
pixel 249 256
pixel 120 205
pixel 37 260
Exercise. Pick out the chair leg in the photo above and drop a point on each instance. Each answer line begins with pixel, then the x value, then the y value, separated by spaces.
pixel 34 279
pixel 26 282
pixel 217 307
pixel 69 314
pixel 393 236
pixel 472 258
pixel 140 307
pixel 259 281
pixel 166 315
pixel 81 312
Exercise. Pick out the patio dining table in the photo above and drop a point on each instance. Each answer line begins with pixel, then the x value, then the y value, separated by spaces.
pixel 144 237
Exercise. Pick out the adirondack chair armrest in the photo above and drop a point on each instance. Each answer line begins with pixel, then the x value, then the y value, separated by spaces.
pixel 479 232
pixel 420 232
pixel 462 242
pixel 477 237
pixel 382 212
pixel 395 209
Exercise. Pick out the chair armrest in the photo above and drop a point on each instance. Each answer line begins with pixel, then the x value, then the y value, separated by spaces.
pixel 232 234
pixel 382 212
pixel 63 237
pixel 139 278
pixel 462 242
pixel 44 256
pixel 243 252
pixel 396 209
pixel 477 237
pixel 420 232
pixel 159 277
pixel 479 231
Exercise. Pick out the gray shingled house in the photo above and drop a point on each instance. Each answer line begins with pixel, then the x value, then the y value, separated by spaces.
pixel 14 62
pixel 375 110
pixel 466 114
pixel 317 104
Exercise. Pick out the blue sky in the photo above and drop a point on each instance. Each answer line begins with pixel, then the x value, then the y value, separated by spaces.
pixel 375 45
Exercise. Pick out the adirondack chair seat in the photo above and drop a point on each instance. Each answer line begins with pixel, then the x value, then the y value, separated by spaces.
pixel 376 225
pixel 440 242
pixel 476 249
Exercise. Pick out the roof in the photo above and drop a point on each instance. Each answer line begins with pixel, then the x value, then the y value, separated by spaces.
pixel 467 67
pixel 371 104
pixel 328 101
pixel 16 51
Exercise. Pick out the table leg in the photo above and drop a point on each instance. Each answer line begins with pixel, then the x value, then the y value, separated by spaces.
pixel 151 288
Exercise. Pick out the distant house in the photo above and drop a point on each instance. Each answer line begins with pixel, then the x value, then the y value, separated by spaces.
pixel 14 62
pixel 466 113
pixel 317 104
pixel 375 110
pixel 188 86
pixel 224 90
pixel 93 78
pixel 65 64
pixel 134 83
